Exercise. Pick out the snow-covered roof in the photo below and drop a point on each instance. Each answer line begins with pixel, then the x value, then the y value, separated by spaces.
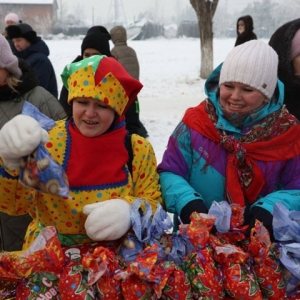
pixel 27 1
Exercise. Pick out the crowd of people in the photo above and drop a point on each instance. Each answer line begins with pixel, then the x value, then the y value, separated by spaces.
pixel 242 139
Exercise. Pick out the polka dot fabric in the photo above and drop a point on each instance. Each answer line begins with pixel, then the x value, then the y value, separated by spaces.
pixel 108 90
pixel 102 78
pixel 66 213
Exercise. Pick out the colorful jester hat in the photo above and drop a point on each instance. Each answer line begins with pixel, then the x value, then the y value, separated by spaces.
pixel 102 78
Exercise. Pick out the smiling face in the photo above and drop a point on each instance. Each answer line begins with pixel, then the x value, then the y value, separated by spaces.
pixel 240 98
pixel 91 116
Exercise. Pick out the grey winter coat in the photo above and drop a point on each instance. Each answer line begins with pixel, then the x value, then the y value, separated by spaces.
pixel 124 54
pixel 39 97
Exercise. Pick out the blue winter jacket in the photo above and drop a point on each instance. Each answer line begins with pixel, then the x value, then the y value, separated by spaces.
pixel 183 177
pixel 37 56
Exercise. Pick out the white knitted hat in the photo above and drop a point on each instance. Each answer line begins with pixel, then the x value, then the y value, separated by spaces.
pixel 8 61
pixel 253 63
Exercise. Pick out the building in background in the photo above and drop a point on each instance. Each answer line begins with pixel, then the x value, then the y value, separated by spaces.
pixel 41 15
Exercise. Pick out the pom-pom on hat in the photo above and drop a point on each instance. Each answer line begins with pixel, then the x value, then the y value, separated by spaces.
pixel 12 17
pixel 102 78
pixel 253 63
pixel 22 30
pixel 8 61
pixel 295 47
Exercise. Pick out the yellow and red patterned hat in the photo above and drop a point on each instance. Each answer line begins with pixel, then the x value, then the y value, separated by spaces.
pixel 102 78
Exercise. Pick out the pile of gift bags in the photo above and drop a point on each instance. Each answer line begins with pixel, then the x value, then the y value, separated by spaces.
pixel 210 258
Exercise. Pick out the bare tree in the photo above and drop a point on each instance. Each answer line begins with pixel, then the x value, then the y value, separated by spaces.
pixel 205 10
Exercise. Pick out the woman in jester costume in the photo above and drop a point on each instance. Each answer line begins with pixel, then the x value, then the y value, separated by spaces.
pixel 91 149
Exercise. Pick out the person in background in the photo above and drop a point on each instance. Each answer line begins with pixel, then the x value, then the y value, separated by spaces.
pixel 19 83
pixel 244 30
pixel 34 50
pixel 240 144
pixel 128 58
pixel 96 42
pixel 286 42
pixel 11 19
pixel 91 149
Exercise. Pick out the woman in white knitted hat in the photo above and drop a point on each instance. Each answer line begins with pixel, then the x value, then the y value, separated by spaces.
pixel 18 83
pixel 240 144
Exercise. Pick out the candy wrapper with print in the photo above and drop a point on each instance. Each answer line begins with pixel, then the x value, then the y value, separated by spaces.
pixel 229 223
pixel 239 281
pixel 148 230
pixel 138 278
pixel 203 273
pixel 74 279
pixel 180 247
pixel 44 255
pixel 101 265
pixel 41 285
pixel 73 283
pixel 178 285
pixel 39 170
pixel 266 264
pixel 165 278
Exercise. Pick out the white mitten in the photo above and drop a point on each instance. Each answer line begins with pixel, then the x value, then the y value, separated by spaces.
pixel 19 137
pixel 108 220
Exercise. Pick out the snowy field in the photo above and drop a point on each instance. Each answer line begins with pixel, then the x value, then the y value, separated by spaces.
pixel 169 71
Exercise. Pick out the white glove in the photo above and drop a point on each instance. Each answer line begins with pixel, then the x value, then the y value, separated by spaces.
pixel 108 220
pixel 20 137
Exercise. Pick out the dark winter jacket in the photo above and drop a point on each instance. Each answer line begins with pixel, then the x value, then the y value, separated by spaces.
pixel 248 34
pixel 37 56
pixel 281 42
pixel 124 54
pixel 13 228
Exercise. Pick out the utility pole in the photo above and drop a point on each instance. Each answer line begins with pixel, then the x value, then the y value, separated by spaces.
pixel 116 14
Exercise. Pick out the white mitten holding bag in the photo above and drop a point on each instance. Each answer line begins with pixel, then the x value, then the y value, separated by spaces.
pixel 20 137
pixel 107 220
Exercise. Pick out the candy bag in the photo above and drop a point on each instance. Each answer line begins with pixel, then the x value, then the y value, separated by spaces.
pixel 266 264
pixel 39 170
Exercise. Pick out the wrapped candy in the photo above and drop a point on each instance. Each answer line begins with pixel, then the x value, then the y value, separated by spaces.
pixel 177 286
pixel 239 281
pixel 74 280
pixel 73 283
pixel 203 273
pixel 148 230
pixel 38 170
pixel 266 265
pixel 39 286
pixel 137 279
pixel 236 231
pixel 44 255
pixel 102 264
